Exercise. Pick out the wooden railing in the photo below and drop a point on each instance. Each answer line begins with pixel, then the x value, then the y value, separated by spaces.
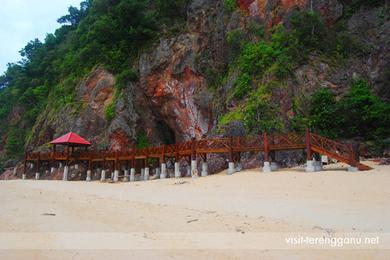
pixel 343 151
pixel 256 143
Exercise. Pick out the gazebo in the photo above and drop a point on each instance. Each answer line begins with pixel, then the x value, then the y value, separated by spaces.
pixel 70 140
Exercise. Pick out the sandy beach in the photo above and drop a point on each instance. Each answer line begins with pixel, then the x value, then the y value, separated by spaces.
pixel 247 215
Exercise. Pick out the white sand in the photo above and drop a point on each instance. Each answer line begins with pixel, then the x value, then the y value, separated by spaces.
pixel 247 215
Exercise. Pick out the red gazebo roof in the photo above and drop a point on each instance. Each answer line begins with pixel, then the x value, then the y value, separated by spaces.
pixel 71 139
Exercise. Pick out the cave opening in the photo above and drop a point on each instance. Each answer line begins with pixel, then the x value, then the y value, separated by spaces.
pixel 166 133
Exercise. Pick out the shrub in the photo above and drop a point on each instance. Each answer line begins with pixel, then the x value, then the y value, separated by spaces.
pixel 15 143
pixel 258 113
pixel 364 114
pixel 126 76
pixel 242 86
pixel 358 114
pixel 309 30
pixel 142 140
pixel 235 40
pixel 230 5
pixel 323 113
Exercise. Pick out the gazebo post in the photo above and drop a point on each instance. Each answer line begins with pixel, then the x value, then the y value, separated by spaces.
pixel 70 141
pixel 66 167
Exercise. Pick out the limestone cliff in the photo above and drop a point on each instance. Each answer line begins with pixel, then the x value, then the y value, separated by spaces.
pixel 171 100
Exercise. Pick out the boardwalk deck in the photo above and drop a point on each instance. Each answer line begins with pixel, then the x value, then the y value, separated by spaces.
pixel 232 146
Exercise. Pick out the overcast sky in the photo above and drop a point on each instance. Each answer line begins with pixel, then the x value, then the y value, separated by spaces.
pixel 25 20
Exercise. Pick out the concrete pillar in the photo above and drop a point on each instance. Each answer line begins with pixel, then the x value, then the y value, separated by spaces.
pixel 310 166
pixel 52 170
pixel 324 159
pixel 116 176
pixel 267 167
pixel 132 175
pixel 353 169
pixel 158 172
pixel 231 168
pixel 188 173
pixel 14 171
pixel 194 169
pixel 238 167
pixel 177 170
pixel 65 174
pixel 205 169
pixel 103 175
pixel 147 173
pixel 126 178
pixel 317 166
pixel 97 173
pixel 89 173
pixel 274 166
pixel 23 176
pixel 142 174
pixel 37 175
pixel 163 174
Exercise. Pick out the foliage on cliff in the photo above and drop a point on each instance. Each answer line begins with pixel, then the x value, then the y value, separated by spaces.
pixel 108 32
pixel 262 62
pixel 358 114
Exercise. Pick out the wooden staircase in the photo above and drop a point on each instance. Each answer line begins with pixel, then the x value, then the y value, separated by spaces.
pixel 345 153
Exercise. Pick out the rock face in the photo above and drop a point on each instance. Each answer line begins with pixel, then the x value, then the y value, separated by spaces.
pixel 274 11
pixel 170 82
pixel 95 94
pixel 171 100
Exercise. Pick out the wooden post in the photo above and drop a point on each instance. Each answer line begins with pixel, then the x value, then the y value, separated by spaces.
pixel 231 159
pixel 116 161
pixel 266 147
pixel 67 155
pixel 309 153
pixel 163 154
pixel 90 163
pixel 147 158
pixel 193 149
pixel 25 163
pixel 133 157
pixel 355 156
pixel 177 152
pixel 39 161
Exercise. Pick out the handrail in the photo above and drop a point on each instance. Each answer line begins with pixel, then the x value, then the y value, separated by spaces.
pixel 266 143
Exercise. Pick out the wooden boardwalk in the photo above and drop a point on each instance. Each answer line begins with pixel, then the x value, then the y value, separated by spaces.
pixel 194 149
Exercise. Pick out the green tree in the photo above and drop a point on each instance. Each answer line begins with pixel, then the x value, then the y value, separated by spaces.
pixel 309 30
pixel 323 113
pixel 364 114
pixel 142 140
pixel 15 142
pixel 230 5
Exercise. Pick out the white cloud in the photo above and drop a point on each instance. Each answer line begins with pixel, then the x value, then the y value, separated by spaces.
pixel 25 20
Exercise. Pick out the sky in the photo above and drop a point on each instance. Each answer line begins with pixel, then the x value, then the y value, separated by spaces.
pixel 25 20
